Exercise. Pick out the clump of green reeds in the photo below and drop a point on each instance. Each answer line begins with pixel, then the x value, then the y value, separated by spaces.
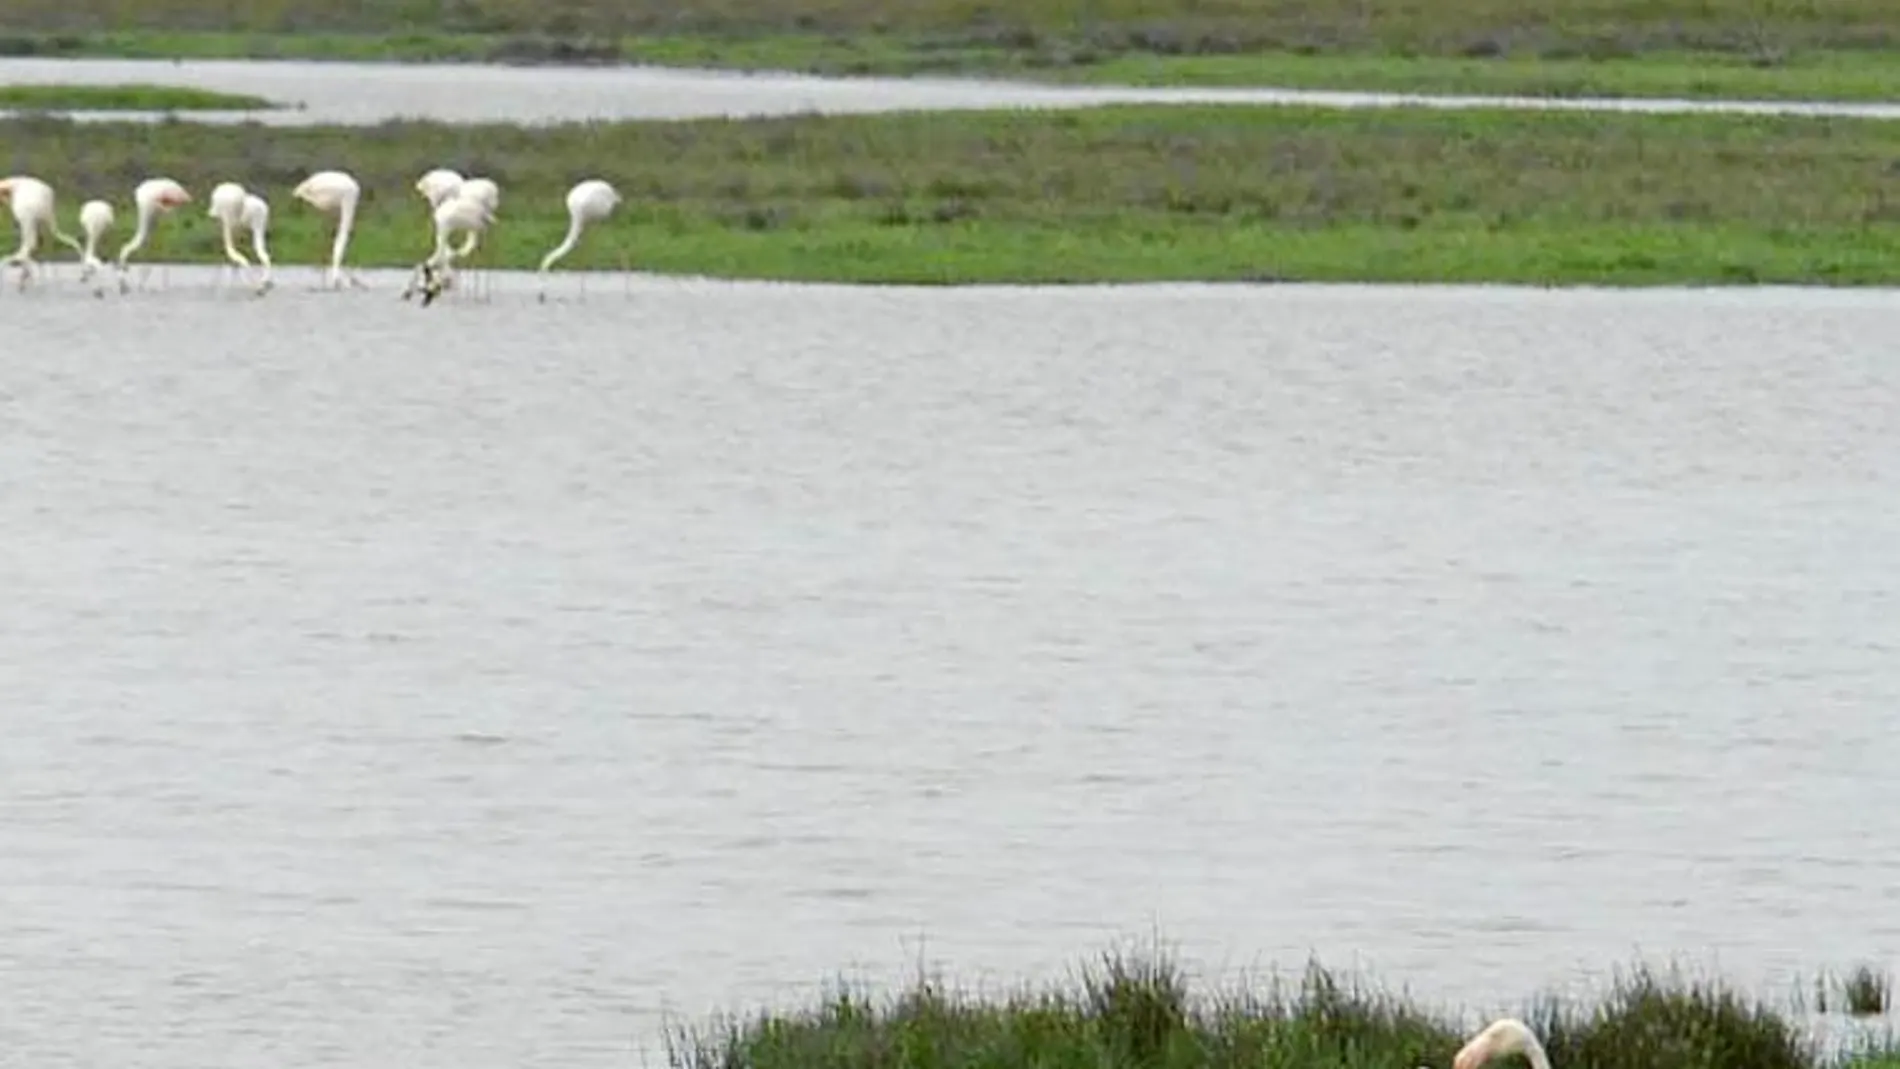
pixel 1648 1022
pixel 1136 1010
pixel 1861 993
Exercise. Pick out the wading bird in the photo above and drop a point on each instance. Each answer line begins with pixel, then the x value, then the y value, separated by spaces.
pixel 440 184
pixel 588 202
pixel 334 191
pixel 458 214
pixel 95 218
pixel 153 197
pixel 436 186
pixel 32 204
pixel 234 206
pixel 482 191
pixel 1502 1037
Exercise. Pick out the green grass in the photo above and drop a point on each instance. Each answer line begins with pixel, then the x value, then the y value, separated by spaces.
pixel 1111 194
pixel 124 98
pixel 1424 27
pixel 1810 75
pixel 1131 1011
pixel 1845 49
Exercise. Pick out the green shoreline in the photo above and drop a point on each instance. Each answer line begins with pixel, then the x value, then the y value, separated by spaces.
pixel 1139 1011
pixel 1116 194
pixel 127 97
pixel 1810 73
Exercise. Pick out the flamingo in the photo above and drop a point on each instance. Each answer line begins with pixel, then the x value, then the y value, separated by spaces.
pixel 1501 1037
pixel 588 202
pixel 153 198
pixel 436 186
pixel 458 214
pixel 233 206
pixel 485 192
pixel 32 203
pixel 334 191
pixel 95 218
pixel 441 183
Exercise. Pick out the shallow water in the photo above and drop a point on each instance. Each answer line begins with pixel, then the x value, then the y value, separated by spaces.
pixel 474 686
pixel 371 93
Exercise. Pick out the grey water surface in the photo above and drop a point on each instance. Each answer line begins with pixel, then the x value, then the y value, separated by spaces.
pixel 359 93
pixel 478 686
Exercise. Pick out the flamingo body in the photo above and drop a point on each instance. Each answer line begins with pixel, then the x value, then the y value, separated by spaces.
pixel 95 218
pixel 233 206
pixel 436 186
pixel 1501 1038
pixel 459 213
pixel 482 191
pixel 588 202
pixel 32 203
pixel 334 191
pixel 153 198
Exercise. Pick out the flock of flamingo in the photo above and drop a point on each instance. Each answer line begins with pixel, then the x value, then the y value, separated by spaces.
pixel 458 206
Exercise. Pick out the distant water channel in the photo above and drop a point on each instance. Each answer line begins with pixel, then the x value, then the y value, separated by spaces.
pixel 355 93
pixel 476 687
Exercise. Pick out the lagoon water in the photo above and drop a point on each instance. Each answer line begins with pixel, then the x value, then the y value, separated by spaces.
pixel 477 687
pixel 355 93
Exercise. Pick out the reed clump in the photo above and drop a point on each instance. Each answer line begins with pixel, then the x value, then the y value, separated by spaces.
pixel 1138 1010
pixel 1862 992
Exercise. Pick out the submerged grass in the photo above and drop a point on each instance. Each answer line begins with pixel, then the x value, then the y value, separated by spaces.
pixel 124 98
pixel 1861 993
pixel 1111 194
pixel 1137 1010
pixel 1759 48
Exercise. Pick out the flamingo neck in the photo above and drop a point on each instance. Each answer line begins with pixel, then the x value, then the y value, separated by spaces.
pixel 345 216
pixel 566 246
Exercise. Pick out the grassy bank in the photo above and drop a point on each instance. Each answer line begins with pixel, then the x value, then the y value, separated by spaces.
pixel 124 98
pixel 1808 75
pixel 1140 1012
pixel 1758 48
pixel 1117 194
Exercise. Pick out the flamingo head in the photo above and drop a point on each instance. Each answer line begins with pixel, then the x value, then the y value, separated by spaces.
pixel 6 188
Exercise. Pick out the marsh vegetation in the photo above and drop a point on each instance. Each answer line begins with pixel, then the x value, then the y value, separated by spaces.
pixel 1139 1010
pixel 1111 194
pixel 124 98
pixel 1755 48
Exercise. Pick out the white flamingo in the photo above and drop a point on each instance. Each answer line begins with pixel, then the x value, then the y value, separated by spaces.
pixel 32 203
pixel 441 183
pixel 1501 1037
pixel 233 206
pixel 588 202
pixel 436 185
pixel 482 191
pixel 153 197
pixel 95 218
pixel 334 191
pixel 468 215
